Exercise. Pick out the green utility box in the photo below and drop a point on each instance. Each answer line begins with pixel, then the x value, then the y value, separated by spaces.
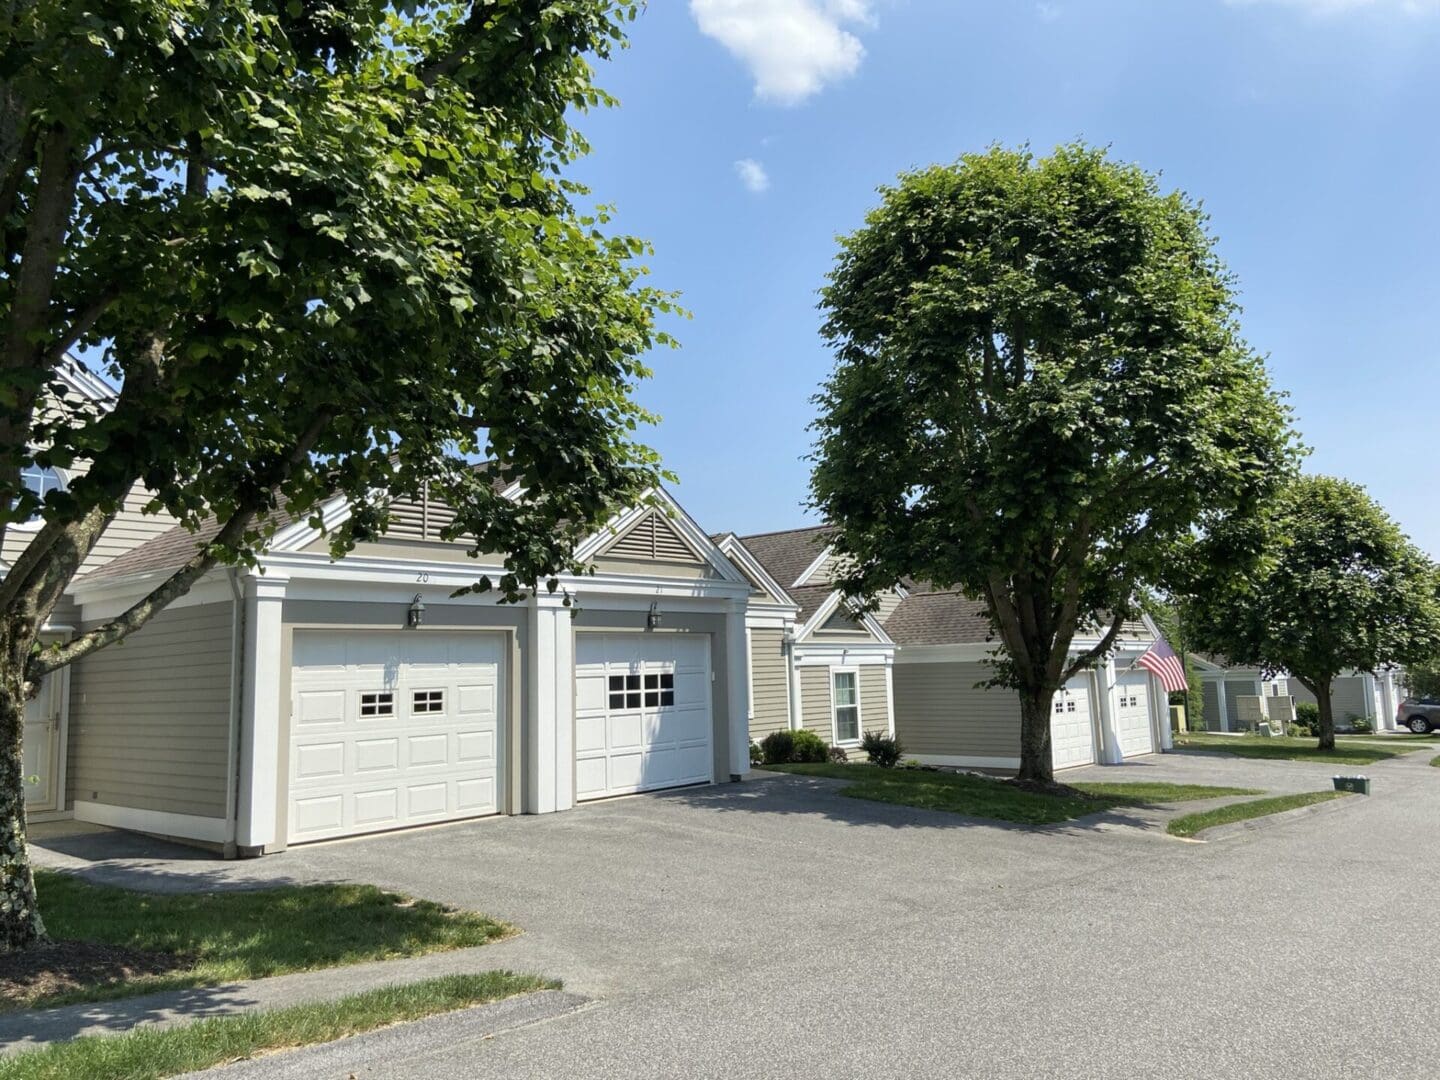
pixel 1359 785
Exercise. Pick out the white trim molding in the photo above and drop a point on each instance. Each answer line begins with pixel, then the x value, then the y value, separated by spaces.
pixel 835 740
pixel 159 822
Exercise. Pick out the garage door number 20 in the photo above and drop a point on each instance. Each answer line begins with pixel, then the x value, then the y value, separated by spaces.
pixel 422 577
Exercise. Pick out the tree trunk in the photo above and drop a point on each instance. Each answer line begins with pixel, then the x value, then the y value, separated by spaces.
pixel 20 923
pixel 1321 690
pixel 1036 762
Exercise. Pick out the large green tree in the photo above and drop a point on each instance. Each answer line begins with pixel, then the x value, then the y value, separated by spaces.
pixel 323 248
pixel 1040 395
pixel 1338 588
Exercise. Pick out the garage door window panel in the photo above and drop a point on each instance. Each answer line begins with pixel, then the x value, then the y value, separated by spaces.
pixel 378 703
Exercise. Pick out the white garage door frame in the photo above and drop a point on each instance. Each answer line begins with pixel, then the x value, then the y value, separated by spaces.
pixel 635 729
pixel 1072 725
pixel 471 727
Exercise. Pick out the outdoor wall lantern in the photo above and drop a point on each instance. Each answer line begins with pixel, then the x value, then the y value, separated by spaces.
pixel 652 617
pixel 416 615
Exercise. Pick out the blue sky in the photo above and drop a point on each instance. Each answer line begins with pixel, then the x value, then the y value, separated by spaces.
pixel 752 132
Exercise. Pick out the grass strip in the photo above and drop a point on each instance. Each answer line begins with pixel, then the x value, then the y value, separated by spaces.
pixel 988 797
pixel 241 935
pixel 1289 748
pixel 150 1053
pixel 1190 824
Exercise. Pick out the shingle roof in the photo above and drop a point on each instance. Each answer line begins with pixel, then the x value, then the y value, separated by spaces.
pixel 786 555
pixel 939 618
pixel 170 550
pixel 173 548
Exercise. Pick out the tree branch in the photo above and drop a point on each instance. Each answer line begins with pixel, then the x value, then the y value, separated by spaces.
pixel 183 579
pixel 1106 644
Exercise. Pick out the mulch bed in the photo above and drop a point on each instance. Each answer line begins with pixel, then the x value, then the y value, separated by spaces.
pixel 62 966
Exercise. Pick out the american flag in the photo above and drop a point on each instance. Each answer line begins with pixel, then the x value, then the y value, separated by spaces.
pixel 1160 660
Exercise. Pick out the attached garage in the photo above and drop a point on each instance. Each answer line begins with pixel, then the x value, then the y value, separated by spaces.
pixel 390 729
pixel 1132 715
pixel 1072 734
pixel 643 713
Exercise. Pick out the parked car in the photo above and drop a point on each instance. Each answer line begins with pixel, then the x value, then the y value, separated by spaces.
pixel 1420 715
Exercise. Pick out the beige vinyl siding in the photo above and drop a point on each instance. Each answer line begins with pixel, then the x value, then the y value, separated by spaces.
pixel 1347 696
pixel 815 702
pixel 150 717
pixel 130 529
pixel 1211 694
pixel 940 712
pixel 769 687
pixel 885 606
pixel 874 708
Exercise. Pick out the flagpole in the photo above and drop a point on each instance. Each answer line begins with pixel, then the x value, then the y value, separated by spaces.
pixel 1185 670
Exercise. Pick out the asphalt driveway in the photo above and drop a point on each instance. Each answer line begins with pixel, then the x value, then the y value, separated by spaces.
pixel 777 929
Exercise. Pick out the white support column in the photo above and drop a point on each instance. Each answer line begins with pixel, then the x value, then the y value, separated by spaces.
pixel 1388 701
pixel 550 725
pixel 260 737
pixel 737 685
pixel 890 693
pixel 1224 705
pixel 793 673
pixel 1160 711
pixel 1109 709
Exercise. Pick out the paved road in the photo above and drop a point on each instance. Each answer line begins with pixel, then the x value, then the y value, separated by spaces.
pixel 776 929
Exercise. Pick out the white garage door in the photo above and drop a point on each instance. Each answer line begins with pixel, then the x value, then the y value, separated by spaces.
pixel 1072 738
pixel 392 729
pixel 1132 717
pixel 642 713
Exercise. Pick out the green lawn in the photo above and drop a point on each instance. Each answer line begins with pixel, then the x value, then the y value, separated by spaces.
pixel 249 935
pixel 151 1053
pixel 1190 824
pixel 1288 748
pixel 1435 761
pixel 986 797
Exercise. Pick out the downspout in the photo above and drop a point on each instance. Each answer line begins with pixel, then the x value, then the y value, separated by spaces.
pixel 237 663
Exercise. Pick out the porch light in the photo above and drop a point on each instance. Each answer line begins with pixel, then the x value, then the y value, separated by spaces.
pixel 652 617
pixel 416 615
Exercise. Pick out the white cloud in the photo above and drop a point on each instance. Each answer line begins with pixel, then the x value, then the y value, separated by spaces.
pixel 793 48
pixel 753 175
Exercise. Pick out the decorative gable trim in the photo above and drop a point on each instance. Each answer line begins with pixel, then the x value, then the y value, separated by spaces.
pixel 810 571
pixel 734 549
pixel 658 499
pixel 829 607
pixel 652 539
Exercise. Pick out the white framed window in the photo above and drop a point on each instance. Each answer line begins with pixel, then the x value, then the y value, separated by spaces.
pixel 42 480
pixel 427 701
pixel 845 705
pixel 377 703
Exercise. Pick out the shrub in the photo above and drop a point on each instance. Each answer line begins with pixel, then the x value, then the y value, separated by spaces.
pixel 778 748
pixel 838 756
pixel 809 747
pixel 757 756
pixel 785 747
pixel 1359 724
pixel 1307 718
pixel 883 750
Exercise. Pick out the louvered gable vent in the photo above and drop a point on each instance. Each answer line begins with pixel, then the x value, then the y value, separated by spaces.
pixel 653 539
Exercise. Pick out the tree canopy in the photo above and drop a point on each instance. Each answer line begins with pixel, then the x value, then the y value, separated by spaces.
pixel 1338 588
pixel 323 248
pixel 1040 396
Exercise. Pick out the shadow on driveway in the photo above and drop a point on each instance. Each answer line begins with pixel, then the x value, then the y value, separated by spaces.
pixel 812 796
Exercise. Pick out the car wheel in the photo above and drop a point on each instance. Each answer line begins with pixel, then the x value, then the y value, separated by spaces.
pixel 1419 725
